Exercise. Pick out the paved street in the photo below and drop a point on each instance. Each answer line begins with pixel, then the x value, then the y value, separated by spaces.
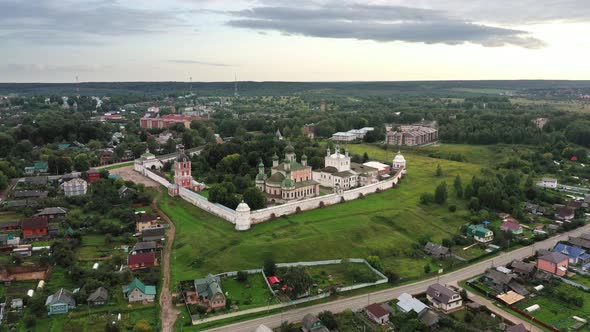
pixel 360 301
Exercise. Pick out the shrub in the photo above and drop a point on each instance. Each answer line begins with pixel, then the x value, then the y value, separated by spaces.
pixel 453 208
pixel 426 198
pixel 242 276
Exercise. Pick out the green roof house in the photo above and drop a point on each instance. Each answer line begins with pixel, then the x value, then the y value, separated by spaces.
pixel 61 302
pixel 480 233
pixel 136 291
pixel 209 292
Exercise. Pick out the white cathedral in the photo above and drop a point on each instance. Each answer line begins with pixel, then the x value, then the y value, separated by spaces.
pixel 341 173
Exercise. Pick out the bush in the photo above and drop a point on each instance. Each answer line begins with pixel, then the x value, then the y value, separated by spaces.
pixel 426 198
pixel 242 276
pixel 375 262
pixel 327 317
pixel 453 208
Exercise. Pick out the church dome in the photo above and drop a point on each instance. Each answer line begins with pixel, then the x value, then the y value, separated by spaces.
pixel 399 158
pixel 275 157
pixel 242 207
pixel 289 148
pixel 181 158
pixel 287 183
pixel 304 157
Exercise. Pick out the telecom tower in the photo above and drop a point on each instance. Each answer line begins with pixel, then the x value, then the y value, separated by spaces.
pixel 236 86
pixel 77 86
pixel 190 88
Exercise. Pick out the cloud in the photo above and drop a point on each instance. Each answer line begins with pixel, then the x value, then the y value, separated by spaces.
pixel 383 23
pixel 201 63
pixel 44 68
pixel 74 22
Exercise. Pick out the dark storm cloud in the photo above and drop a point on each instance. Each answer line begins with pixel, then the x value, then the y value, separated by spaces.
pixel 74 22
pixel 382 23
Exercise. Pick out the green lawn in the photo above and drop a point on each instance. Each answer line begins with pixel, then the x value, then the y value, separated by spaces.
pixel 250 294
pixel 556 312
pixel 118 166
pixel 386 224
pixel 10 216
pixel 341 275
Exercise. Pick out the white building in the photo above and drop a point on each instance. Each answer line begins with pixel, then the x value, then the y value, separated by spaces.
pixel 399 162
pixel 343 137
pixel 351 135
pixel 147 160
pixel 340 172
pixel 75 187
pixel 547 183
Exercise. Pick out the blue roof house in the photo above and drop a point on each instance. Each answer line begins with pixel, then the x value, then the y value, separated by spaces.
pixel 576 255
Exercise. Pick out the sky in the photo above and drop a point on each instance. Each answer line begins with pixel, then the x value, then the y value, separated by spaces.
pixel 292 40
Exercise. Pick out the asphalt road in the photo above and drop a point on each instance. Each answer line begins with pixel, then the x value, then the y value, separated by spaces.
pixel 361 301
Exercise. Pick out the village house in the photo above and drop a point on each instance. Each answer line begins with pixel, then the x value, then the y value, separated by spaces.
pixel 93 175
pixel 377 313
pixel 582 241
pixel 576 255
pixel 75 187
pixel 511 226
pixel 407 303
pixel 480 233
pixel 517 328
pixel 36 181
pixel 126 192
pixel 141 261
pixel 443 298
pixel 547 183
pixel 52 213
pixel 565 213
pixel 60 303
pixel 146 221
pixel 38 167
pixel 99 297
pixel 503 282
pixel 209 292
pixel 136 291
pixel 144 247
pixel 34 228
pixel 553 262
pixel 311 323
pixel 524 270
pixel 153 234
pixel 30 194
pixel 436 250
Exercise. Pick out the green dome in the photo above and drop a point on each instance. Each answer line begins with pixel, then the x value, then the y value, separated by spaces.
pixel 304 157
pixel 275 157
pixel 287 161
pixel 287 182
pixel 260 177
pixel 289 148
pixel 261 165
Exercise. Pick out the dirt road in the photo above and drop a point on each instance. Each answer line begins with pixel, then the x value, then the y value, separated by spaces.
pixel 168 313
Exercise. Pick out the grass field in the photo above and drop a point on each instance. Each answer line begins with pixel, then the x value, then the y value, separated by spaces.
pixel 340 275
pixel 556 312
pixel 386 224
pixel 250 294
pixel 118 165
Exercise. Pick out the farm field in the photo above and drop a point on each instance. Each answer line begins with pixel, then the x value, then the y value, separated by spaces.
pixel 385 224
pixel 557 312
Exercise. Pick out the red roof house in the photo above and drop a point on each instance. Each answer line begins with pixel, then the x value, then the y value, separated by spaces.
pixel 93 175
pixel 35 227
pixel 574 158
pixel 141 261
pixel 273 280
pixel 377 313
pixel 513 227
